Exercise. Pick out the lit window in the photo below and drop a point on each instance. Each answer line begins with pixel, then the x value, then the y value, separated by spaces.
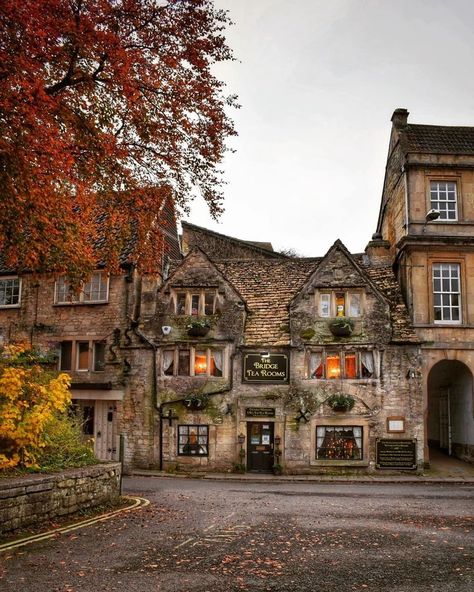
pixel 93 291
pixel 339 304
pixel 194 303
pixel 443 196
pixel 192 362
pixel 346 364
pixel 10 289
pixel 339 443
pixel 193 440
pixel 447 292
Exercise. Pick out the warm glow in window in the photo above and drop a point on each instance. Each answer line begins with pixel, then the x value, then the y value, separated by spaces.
pixel 340 304
pixel 333 364
pixel 200 363
pixel 350 366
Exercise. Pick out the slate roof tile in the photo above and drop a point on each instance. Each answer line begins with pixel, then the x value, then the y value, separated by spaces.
pixel 438 139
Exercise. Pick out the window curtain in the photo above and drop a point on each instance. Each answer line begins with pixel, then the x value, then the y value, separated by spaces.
pixel 217 355
pixel 168 357
pixel 314 362
pixel 368 361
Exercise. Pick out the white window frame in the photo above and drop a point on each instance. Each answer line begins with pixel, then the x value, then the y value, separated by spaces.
pixel 449 293
pixel 61 286
pixel 192 357
pixel 190 292
pixel 325 295
pixel 438 197
pixel 12 278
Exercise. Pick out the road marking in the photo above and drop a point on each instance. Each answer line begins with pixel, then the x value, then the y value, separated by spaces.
pixel 138 502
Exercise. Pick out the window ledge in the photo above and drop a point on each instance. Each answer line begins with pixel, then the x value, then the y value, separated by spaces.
pixel 80 303
pixel 339 463
pixel 9 306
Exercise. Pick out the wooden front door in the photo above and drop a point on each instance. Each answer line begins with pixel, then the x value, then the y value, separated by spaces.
pixel 260 446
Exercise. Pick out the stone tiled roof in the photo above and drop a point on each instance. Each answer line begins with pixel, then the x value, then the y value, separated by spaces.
pixel 438 139
pixel 268 287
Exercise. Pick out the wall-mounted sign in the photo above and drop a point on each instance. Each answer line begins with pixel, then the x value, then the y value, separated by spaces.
pixel 259 412
pixel 270 368
pixel 395 454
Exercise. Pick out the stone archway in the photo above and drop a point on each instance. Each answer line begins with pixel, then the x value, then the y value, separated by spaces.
pixel 450 423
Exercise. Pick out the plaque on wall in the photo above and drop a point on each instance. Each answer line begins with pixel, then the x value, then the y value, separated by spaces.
pixel 259 412
pixel 269 368
pixel 396 454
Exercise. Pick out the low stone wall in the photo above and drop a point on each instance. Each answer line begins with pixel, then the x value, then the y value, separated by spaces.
pixel 33 499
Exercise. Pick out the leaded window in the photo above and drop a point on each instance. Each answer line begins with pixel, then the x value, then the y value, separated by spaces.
pixel 443 196
pixel 193 440
pixel 447 292
pixel 339 304
pixel 194 302
pixel 191 361
pixel 95 290
pixel 332 364
pixel 339 442
pixel 10 291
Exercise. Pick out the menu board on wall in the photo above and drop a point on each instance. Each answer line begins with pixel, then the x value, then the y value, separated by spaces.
pixel 396 454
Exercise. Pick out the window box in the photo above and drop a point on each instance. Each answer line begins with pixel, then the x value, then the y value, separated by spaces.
pixel 341 402
pixel 198 329
pixel 341 327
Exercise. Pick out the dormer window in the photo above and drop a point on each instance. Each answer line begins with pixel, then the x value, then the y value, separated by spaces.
pixel 194 302
pixel 94 291
pixel 339 304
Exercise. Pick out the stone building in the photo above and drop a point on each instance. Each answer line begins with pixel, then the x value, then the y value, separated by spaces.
pixel 427 216
pixel 234 357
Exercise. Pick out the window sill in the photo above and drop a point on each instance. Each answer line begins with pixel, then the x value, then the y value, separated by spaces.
pixel 80 303
pixel 339 463
pixel 202 376
pixel 10 306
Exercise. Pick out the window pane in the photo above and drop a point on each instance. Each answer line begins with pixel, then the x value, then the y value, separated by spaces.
pixel 193 440
pixel 340 304
pixel 444 199
pixel 216 363
pixel 325 305
pixel 63 291
pixel 446 292
pixel 354 310
pixel 99 356
pixel 181 303
pixel 350 365
pixel 339 442
pixel 82 355
pixel 333 365
pixel 195 304
pixel 95 290
pixel 209 298
pixel 66 356
pixel 183 362
pixel 200 362
pixel 9 292
pixel 168 362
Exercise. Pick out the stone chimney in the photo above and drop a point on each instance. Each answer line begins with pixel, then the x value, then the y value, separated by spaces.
pixel 377 251
pixel 400 118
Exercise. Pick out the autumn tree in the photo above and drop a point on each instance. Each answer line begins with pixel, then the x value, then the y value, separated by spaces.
pixel 106 106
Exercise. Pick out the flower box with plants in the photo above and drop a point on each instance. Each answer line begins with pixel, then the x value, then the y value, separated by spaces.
pixel 198 327
pixel 341 402
pixel 341 326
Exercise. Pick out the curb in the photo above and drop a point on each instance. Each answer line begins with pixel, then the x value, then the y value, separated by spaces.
pixel 138 502
pixel 307 478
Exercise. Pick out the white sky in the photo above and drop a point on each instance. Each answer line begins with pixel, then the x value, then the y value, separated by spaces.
pixel 318 81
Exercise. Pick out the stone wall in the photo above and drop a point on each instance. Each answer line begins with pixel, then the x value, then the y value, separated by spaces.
pixel 34 499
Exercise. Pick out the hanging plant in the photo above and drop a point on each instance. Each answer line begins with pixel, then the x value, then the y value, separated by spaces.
pixel 341 326
pixel 196 401
pixel 341 402
pixel 198 327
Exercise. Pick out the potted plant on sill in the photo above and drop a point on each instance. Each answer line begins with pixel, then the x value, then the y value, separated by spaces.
pixel 341 326
pixel 198 327
pixel 341 402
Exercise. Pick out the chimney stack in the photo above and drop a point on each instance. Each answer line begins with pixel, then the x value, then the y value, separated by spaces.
pixel 378 252
pixel 400 118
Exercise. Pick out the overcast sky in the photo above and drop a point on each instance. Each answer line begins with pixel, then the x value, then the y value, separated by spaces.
pixel 318 81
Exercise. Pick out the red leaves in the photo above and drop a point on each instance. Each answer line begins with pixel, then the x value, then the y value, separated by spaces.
pixel 102 99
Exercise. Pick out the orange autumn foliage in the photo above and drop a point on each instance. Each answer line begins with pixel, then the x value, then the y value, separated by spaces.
pixel 30 396
pixel 99 101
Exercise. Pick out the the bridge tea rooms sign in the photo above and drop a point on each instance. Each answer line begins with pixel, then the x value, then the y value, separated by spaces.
pixel 263 367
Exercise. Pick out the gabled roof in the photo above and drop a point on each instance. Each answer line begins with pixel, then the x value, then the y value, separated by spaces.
pixel 255 249
pixel 438 139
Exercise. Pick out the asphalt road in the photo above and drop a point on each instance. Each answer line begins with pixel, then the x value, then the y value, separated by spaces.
pixel 199 536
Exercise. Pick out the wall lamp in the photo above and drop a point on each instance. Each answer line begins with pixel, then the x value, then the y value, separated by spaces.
pixel 431 216
pixel 241 439
pixel 265 354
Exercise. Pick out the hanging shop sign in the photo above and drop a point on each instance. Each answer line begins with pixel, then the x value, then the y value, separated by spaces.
pixel 265 368
pixel 259 412
pixel 395 454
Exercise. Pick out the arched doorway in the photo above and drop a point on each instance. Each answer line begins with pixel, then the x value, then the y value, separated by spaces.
pixel 450 425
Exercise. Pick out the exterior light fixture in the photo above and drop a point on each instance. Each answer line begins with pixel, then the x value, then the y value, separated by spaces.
pixel 277 440
pixel 241 438
pixel 264 354
pixel 431 215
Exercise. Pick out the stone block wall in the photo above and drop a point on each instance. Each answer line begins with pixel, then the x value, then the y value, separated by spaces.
pixel 34 499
